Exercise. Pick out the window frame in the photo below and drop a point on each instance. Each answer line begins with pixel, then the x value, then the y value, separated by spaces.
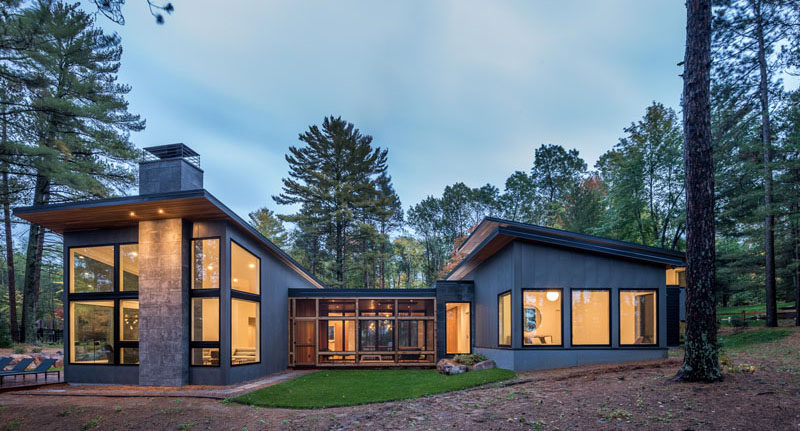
pixel 510 307
pixel 522 319
pixel 610 317
pixel 247 296
pixel 116 295
pixel 619 319
pixel 470 327
pixel 206 293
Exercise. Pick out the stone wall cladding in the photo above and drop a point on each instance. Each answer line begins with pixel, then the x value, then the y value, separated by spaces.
pixel 163 326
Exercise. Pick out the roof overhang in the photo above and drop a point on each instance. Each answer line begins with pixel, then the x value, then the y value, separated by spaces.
pixel 128 211
pixel 493 234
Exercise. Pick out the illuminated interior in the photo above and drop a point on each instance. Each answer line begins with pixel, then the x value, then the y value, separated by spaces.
pixel 91 269
pixel 504 319
pixel 362 331
pixel 205 319
pixel 91 332
pixel 244 270
pixel 458 327
pixel 591 320
pixel 637 317
pixel 129 267
pixel 204 310
pixel 244 331
pixel 541 317
pixel 676 277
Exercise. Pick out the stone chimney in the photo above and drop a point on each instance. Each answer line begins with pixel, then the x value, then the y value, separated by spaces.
pixel 169 168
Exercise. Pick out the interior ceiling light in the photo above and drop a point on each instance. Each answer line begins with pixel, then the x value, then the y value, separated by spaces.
pixel 552 295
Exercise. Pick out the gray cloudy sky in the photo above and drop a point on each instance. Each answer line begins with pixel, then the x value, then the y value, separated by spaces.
pixel 459 90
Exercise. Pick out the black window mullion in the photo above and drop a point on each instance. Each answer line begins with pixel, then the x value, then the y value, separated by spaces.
pixel 116 330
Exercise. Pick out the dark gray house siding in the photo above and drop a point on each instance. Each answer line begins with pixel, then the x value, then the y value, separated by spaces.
pixel 451 291
pixel 521 265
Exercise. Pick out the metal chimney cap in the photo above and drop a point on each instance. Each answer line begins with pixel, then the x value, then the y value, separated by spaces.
pixel 172 151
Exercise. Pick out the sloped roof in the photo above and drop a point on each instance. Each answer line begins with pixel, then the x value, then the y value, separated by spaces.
pixel 492 234
pixel 127 211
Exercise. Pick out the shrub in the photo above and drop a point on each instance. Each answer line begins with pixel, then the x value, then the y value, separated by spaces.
pixel 36 349
pixel 19 350
pixel 470 359
pixel 738 322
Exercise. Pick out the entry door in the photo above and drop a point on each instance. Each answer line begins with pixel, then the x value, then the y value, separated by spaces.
pixel 458 327
pixel 304 342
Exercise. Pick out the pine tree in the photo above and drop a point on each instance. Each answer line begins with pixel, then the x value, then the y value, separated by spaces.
pixel 266 223
pixel 334 177
pixel 80 122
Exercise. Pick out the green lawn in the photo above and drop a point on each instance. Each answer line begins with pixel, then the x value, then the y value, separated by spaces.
pixel 332 388
pixel 745 339
pixel 749 308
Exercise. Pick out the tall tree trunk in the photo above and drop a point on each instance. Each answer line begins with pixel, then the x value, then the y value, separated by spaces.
pixel 701 358
pixel 796 253
pixel 33 264
pixel 12 278
pixel 769 220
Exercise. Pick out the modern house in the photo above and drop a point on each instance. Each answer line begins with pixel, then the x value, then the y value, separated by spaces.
pixel 171 287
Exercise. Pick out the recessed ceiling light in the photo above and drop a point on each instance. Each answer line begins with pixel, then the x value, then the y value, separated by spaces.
pixel 133 214
pixel 252 265
pixel 161 211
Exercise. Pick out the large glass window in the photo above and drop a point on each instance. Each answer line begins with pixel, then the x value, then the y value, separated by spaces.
pixel 638 317
pixel 129 267
pixel 458 327
pixel 541 317
pixel 415 334
pixel 92 332
pixel 244 331
pixel 103 304
pixel 91 269
pixel 205 263
pixel 504 319
pixel 245 270
pixel 205 319
pixel 204 309
pixel 591 322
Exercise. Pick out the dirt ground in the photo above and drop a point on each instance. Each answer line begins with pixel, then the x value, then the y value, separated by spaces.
pixel 620 396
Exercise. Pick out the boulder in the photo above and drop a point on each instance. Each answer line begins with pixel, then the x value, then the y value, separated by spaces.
pixel 443 363
pixel 449 367
pixel 484 365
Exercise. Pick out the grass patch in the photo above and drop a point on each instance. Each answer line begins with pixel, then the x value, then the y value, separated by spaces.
pixel 333 388
pixel 751 308
pixel 744 339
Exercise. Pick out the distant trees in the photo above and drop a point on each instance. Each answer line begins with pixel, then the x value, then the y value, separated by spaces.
pixel 644 175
